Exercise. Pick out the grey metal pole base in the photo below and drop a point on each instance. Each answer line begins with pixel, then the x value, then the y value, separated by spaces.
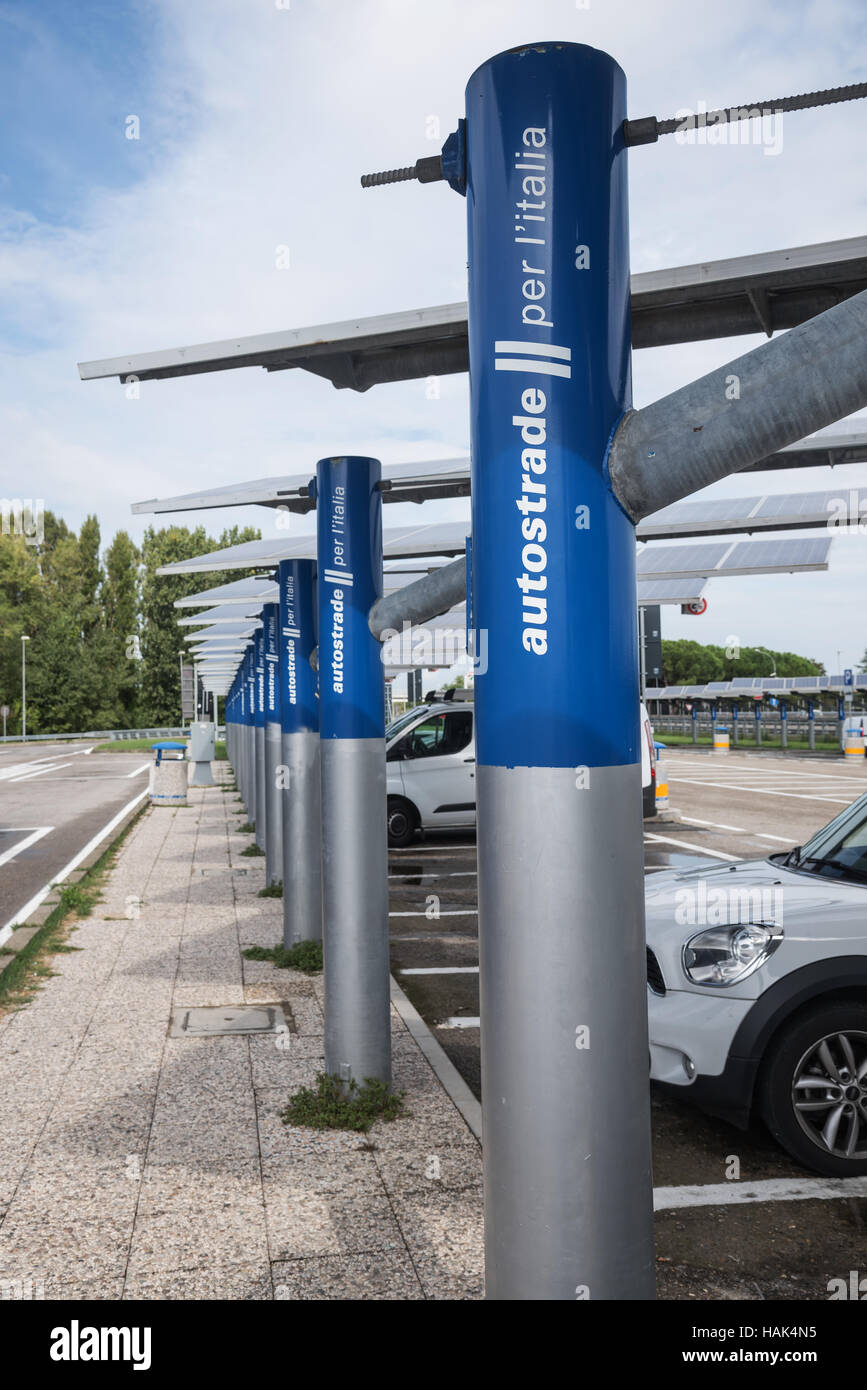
pixel 566 1114
pixel 259 786
pixel 355 909
pixel 302 839
pixel 273 804
pixel 812 736
pixel 201 775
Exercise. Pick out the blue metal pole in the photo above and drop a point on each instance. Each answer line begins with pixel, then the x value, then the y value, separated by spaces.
pixel 273 741
pixel 301 796
pixel 568 1199
pixel 352 751
pixel 259 718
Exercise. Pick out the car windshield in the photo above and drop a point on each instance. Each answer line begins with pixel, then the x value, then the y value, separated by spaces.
pixel 402 720
pixel 840 848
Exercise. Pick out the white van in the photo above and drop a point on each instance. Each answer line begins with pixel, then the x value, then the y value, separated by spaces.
pixel 431 770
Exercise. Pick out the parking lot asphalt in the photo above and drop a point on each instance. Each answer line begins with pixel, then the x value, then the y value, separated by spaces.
pixel 54 798
pixel 722 807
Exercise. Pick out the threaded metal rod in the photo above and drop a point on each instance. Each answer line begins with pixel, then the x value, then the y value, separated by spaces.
pixel 387 176
pixel 425 170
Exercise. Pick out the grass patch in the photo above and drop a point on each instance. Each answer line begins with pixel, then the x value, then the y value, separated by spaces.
pixel 327 1106
pixel 27 968
pixel 78 898
pixel 272 890
pixel 145 745
pixel 248 829
pixel 305 955
pixel 253 852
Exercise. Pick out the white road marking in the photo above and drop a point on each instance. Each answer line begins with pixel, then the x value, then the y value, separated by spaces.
pixel 459 1023
pixel 16 770
pixel 37 833
pixel 768 1190
pixel 760 791
pixel 464 912
pixel 24 912
pixel 716 825
pixel 696 849
pixel 144 767
pixel 40 772
pixel 781 839
pixel 442 970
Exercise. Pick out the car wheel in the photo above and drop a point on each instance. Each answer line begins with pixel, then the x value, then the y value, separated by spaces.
pixel 402 822
pixel 813 1088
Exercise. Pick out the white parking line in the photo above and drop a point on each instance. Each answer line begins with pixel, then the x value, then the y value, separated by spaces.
pixel 18 769
pixel 463 912
pixel 459 1023
pixel 760 791
pixel 139 770
pixel 40 772
pixel 24 912
pixel 696 849
pixel 36 833
pixel 719 1194
pixel 441 970
pixel 715 825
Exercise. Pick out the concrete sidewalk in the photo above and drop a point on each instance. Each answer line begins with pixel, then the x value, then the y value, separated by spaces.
pixel 138 1165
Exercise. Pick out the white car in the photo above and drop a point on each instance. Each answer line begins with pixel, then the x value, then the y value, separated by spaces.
pixel 431 770
pixel 757 992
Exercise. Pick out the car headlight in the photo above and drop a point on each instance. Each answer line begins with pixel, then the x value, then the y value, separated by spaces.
pixel 723 956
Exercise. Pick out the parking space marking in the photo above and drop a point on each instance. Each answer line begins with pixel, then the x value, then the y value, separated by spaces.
pixel 36 833
pixel 441 970
pixel 139 770
pixel 40 772
pixel 460 1023
pixel 462 912
pixel 719 1194
pixel 715 825
pixel 685 844
pixel 761 791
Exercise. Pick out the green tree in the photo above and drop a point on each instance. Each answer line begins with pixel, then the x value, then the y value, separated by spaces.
pixel 162 640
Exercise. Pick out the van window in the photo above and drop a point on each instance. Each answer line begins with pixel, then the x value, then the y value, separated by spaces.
pixel 438 736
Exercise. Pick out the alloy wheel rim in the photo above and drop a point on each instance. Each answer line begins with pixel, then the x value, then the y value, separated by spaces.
pixel 829 1094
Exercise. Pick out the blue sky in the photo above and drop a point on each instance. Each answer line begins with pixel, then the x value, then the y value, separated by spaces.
pixel 256 120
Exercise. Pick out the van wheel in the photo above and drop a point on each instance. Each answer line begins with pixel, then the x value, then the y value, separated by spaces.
pixel 402 822
pixel 813 1089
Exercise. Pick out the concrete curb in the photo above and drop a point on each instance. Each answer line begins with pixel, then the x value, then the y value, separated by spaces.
pixel 449 1076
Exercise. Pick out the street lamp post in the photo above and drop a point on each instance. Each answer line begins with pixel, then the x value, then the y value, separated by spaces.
pixel 24 641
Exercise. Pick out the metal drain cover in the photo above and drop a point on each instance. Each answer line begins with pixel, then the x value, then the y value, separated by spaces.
pixel 213 1022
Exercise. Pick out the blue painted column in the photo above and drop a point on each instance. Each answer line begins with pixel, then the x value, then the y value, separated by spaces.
pixel 784 724
pixel 568 1203
pixel 273 742
pixel 734 726
pixel 352 751
pixel 261 817
pixel 811 723
pixel 250 707
pixel 301 795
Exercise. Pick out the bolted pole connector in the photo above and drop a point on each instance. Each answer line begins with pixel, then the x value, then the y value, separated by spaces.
pixel 425 170
pixel 449 165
